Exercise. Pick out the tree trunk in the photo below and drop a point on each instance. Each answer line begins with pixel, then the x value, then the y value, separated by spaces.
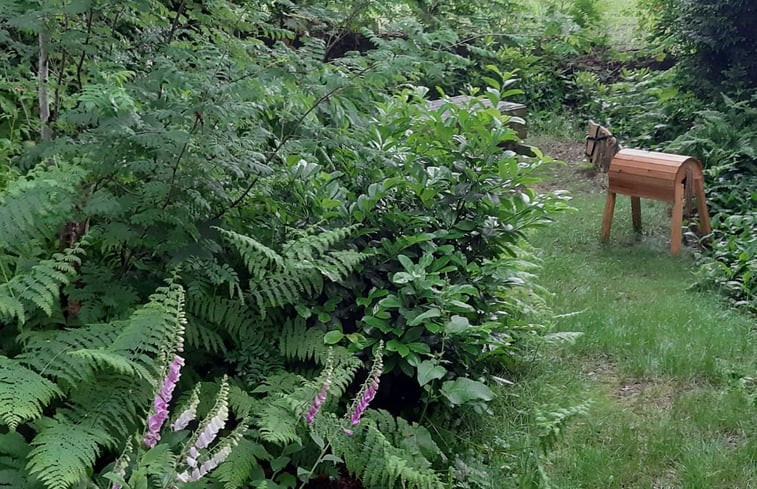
pixel 42 75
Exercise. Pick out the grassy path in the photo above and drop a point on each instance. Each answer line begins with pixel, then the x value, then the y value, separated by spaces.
pixel 670 370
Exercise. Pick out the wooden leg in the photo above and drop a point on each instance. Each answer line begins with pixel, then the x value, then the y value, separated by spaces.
pixel 677 221
pixel 704 217
pixel 688 192
pixel 636 213
pixel 607 217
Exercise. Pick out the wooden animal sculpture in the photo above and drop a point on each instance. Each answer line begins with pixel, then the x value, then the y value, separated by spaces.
pixel 660 176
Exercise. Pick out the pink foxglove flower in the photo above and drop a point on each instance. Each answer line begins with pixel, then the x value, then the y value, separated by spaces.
pixel 320 398
pixel 161 401
pixel 368 391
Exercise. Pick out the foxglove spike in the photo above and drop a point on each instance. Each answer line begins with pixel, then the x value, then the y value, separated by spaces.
pixel 368 391
pixel 161 401
pixel 320 398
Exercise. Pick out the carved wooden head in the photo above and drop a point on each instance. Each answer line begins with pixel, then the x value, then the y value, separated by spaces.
pixel 601 146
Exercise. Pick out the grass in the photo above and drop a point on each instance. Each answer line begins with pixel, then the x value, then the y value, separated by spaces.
pixel 662 361
pixel 669 369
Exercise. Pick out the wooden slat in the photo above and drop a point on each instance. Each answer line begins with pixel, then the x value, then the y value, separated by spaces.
pixel 618 164
pixel 655 193
pixel 654 155
pixel 624 160
pixel 632 181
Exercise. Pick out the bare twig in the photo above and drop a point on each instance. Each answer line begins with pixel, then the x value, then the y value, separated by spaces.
pixel 175 23
pixel 42 74
pixel 79 65
pixel 175 169
pixel 284 140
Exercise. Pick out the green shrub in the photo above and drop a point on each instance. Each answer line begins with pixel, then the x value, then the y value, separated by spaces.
pixel 725 141
pixel 303 209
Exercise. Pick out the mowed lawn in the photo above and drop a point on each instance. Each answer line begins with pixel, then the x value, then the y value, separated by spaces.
pixel 670 368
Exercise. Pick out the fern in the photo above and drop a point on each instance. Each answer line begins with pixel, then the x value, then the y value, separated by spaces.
pixel 13 452
pixel 239 467
pixel 40 286
pixel 201 336
pixel 23 393
pixel 257 257
pixel 286 288
pixel 104 359
pixel 312 245
pixel 153 326
pixel 37 205
pixel 233 316
pixel 298 342
pixel 63 453
pixel 109 384
pixel 114 405
pixel 49 352
pixel 376 455
pixel 278 280
pixel 551 423
pixel 278 420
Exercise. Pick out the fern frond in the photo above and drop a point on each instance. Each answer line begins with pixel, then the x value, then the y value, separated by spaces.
pixel 238 468
pixel 312 245
pixel 23 393
pixel 153 327
pixel 47 352
pixel 298 342
pixel 256 356
pixel 232 316
pixel 258 258
pixel 40 286
pixel 35 206
pixel 64 452
pixel 285 288
pixel 278 421
pixel 13 451
pixel 337 265
pixel 115 404
pixel 109 360
pixel 240 401
pixel 10 307
pixel 200 336
pixel 377 460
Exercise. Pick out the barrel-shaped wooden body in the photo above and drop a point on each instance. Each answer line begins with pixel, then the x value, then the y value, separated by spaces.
pixel 650 174
pixel 661 176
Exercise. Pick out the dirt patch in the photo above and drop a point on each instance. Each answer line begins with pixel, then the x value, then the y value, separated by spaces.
pixel 576 173
pixel 568 151
pixel 667 480
pixel 600 369
pixel 640 394
pixel 645 393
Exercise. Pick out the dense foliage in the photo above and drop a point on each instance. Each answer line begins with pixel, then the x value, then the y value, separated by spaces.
pixel 714 38
pixel 251 204
pixel 231 177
